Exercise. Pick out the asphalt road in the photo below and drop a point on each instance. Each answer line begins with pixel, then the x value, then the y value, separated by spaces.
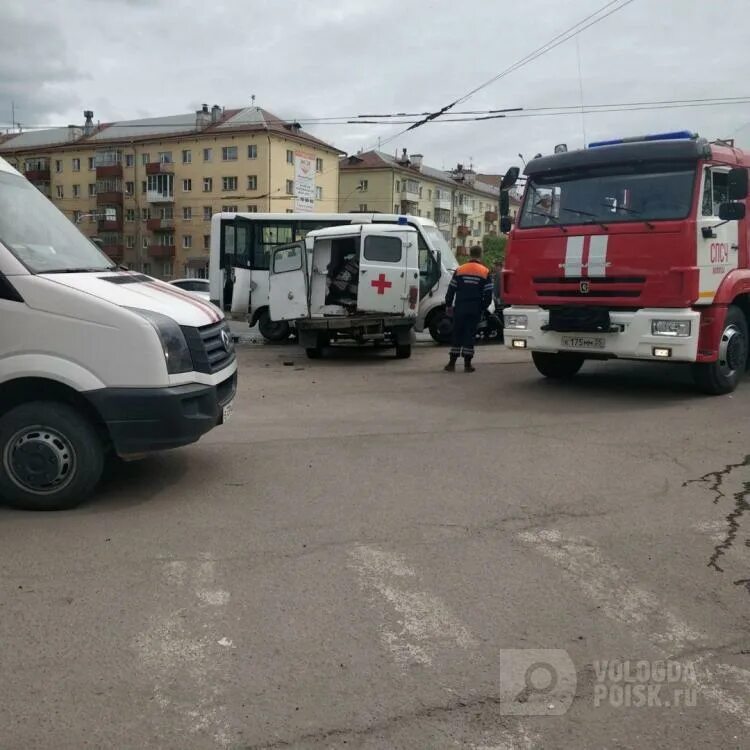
pixel 377 554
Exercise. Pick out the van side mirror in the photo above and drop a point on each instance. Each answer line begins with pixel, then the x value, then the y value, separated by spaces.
pixel 506 224
pixel 731 211
pixel 510 178
pixel 737 187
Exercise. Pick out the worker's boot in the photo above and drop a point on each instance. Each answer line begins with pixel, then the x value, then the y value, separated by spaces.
pixel 468 367
pixel 451 366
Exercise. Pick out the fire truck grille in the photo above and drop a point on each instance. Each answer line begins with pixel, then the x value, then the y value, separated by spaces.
pixel 586 287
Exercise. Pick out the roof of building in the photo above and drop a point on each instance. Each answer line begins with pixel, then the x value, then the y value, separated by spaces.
pixel 247 119
pixel 381 160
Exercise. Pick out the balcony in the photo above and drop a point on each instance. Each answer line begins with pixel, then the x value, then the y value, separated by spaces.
pixel 108 170
pixel 161 252
pixel 112 225
pixel 462 230
pixel 409 207
pixel 108 197
pixel 490 216
pixel 159 196
pixel 160 225
pixel 444 203
pixel 37 175
pixel 160 167
pixel 114 252
pixel 410 194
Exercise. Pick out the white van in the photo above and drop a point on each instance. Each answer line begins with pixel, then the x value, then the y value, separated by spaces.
pixel 355 283
pixel 94 361
pixel 241 247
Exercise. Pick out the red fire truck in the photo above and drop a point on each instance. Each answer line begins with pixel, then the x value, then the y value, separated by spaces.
pixel 633 249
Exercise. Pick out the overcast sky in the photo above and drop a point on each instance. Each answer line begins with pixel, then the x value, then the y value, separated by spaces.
pixel 316 58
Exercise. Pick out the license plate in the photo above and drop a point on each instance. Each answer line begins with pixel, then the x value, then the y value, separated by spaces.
pixel 584 342
pixel 226 413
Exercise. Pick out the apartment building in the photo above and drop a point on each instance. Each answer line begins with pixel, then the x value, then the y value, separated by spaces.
pixel 464 208
pixel 146 189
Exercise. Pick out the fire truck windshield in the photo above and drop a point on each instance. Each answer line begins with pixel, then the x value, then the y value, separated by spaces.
pixel 609 194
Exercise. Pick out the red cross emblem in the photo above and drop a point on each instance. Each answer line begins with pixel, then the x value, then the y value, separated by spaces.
pixel 381 284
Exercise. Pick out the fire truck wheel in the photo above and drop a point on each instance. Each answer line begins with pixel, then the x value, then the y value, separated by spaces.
pixel 722 376
pixel 557 366
pixel 403 351
pixel 272 330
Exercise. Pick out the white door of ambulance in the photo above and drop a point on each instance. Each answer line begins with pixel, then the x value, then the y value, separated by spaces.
pixel 388 270
pixel 718 246
pixel 288 298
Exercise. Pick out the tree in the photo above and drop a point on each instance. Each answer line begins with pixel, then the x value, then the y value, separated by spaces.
pixel 493 249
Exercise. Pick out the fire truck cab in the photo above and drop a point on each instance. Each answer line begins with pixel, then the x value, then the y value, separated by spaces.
pixel 634 249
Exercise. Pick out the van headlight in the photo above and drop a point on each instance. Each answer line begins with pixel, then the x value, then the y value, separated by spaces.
pixel 679 328
pixel 176 352
pixel 517 322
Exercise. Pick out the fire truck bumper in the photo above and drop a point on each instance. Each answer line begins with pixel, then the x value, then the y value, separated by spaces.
pixel 631 334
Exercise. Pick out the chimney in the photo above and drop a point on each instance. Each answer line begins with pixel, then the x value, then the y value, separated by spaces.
pixel 202 117
pixel 215 113
pixel 416 160
pixel 88 126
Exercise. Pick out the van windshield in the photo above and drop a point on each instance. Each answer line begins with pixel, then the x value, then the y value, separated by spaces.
pixel 609 194
pixel 438 242
pixel 41 237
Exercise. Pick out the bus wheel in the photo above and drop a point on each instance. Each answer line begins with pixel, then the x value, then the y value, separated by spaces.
pixel 723 375
pixel 557 366
pixel 272 330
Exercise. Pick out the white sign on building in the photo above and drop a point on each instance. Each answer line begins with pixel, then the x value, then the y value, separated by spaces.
pixel 304 181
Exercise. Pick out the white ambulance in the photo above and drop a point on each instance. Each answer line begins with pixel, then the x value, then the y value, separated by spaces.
pixel 354 283
pixel 94 361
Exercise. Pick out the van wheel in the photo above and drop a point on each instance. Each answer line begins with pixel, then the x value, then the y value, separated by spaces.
pixel 441 327
pixel 51 457
pixel 557 366
pixel 723 375
pixel 314 352
pixel 272 330
pixel 403 351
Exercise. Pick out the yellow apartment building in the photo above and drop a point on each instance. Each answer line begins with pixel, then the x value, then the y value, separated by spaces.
pixel 464 207
pixel 163 178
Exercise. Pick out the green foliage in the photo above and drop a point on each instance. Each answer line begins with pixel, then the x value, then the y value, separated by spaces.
pixel 493 249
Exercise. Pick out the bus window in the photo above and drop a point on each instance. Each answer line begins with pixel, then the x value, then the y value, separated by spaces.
pixel 226 259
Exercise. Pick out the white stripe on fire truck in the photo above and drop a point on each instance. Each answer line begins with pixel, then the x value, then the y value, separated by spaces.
pixel 573 256
pixel 597 263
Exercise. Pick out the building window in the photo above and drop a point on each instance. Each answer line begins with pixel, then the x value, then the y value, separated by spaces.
pixel 207 154
pixel 130 241
pixel 129 188
pixel 129 214
pixel 187 156
pixel 187 213
pixel 252 151
pixel 76 165
pixel 395 209
pixel 58 165
pixel 318 165
pixel 363 185
pixel 252 208
pixel 289 211
pixel 428 215
pixel 145 158
pixel 187 241
pixel 398 186
pixel 229 184
pixel 145 214
pixel 363 207
pixel 429 195
pixel 167 268
pixel 92 163
pixel 208 184
pixel 76 191
pixel 252 182
pixel 289 156
pixel 290 187
pixel 161 184
pixel 129 160
pixel 60 191
pixel 145 243
pixel 92 189
pixel 76 217
pixel 143 187
pixel 229 153
pixel 229 209
pixel 206 241
pixel 147 268
pixel 319 193
pixel 207 213
pixel 165 157
pixel 166 212
pixel 187 186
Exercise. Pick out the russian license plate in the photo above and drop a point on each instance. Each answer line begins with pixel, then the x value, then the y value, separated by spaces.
pixel 226 413
pixel 583 342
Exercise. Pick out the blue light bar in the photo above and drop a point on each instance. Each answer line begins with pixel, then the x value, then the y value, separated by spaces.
pixel 676 135
pixel 402 220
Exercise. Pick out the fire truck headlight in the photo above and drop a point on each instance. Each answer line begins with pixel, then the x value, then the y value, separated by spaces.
pixel 670 328
pixel 517 322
